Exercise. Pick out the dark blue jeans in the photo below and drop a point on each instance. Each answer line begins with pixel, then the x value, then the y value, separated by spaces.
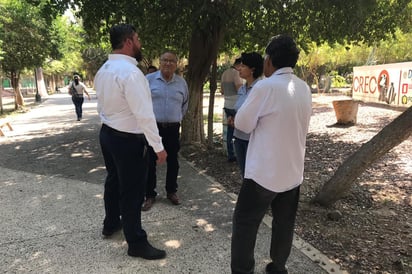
pixel 78 103
pixel 252 204
pixel 126 163
pixel 229 134
pixel 241 149
pixel 229 142
pixel 170 139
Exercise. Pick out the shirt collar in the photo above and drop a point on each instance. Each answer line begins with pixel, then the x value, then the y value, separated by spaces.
pixel 285 70
pixel 159 76
pixel 251 85
pixel 116 56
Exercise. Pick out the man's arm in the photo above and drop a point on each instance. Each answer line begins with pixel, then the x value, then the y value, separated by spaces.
pixel 237 80
pixel 221 86
pixel 248 114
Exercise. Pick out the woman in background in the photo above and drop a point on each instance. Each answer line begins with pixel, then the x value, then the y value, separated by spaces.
pixel 250 69
pixel 76 90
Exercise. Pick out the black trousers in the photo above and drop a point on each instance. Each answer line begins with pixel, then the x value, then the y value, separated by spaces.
pixel 78 105
pixel 170 139
pixel 126 163
pixel 241 149
pixel 252 204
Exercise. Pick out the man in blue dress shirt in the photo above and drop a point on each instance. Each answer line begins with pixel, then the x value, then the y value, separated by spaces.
pixel 170 97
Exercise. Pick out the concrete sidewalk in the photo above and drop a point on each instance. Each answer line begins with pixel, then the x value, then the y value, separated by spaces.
pixel 52 224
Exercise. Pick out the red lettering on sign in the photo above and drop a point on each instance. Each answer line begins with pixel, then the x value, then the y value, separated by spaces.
pixel 357 85
pixel 365 84
pixel 404 88
pixel 372 88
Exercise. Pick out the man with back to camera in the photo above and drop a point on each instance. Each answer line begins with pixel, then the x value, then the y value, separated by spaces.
pixel 128 123
pixel 170 98
pixel 229 86
pixel 277 114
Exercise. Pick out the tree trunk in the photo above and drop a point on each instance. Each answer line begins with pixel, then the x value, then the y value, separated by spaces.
pixel 15 83
pixel 390 136
pixel 203 50
pixel 1 96
pixel 213 87
pixel 192 124
pixel 41 85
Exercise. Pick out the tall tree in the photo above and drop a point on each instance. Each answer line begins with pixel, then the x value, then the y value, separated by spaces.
pixel 73 52
pixel 26 41
pixel 199 29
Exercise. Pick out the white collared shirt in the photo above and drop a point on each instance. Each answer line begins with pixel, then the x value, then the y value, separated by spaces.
pixel 277 114
pixel 123 99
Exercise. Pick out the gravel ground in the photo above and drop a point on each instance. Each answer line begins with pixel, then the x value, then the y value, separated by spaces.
pixel 372 233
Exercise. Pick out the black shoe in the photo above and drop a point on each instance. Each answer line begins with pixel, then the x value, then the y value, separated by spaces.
pixel 110 231
pixel 147 205
pixel 173 198
pixel 270 269
pixel 146 251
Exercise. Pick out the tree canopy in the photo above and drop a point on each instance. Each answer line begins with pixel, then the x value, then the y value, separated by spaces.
pixel 200 29
pixel 26 40
pixel 25 35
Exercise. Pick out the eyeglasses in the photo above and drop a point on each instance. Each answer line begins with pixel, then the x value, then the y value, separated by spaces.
pixel 170 61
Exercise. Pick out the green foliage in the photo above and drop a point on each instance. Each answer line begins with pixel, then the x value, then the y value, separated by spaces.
pixel 328 59
pixel 93 59
pixel 247 24
pixel 71 45
pixel 49 9
pixel 25 36
pixel 338 81
pixel 394 49
pixel 1 42
pixel 199 30
pixel 1 49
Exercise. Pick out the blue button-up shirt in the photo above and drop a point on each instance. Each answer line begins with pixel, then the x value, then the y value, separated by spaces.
pixel 170 99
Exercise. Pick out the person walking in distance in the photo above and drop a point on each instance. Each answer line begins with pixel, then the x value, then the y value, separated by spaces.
pixel 170 98
pixel 128 123
pixel 76 90
pixel 277 114
pixel 229 86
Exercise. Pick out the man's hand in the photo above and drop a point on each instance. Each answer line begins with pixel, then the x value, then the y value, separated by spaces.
pixel 161 157
pixel 231 121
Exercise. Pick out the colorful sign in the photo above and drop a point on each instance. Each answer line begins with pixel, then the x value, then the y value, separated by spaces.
pixel 389 84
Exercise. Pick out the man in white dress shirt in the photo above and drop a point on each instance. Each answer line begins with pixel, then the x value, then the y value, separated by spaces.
pixel 128 126
pixel 277 114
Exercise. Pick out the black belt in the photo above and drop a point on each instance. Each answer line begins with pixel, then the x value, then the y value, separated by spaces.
pixel 163 125
pixel 112 131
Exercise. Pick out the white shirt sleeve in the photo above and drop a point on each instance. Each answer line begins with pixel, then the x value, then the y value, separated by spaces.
pixel 247 116
pixel 140 103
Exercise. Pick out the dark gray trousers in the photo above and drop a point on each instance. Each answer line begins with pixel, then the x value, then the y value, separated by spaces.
pixel 252 204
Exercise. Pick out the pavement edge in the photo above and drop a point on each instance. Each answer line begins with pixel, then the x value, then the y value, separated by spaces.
pixel 306 248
